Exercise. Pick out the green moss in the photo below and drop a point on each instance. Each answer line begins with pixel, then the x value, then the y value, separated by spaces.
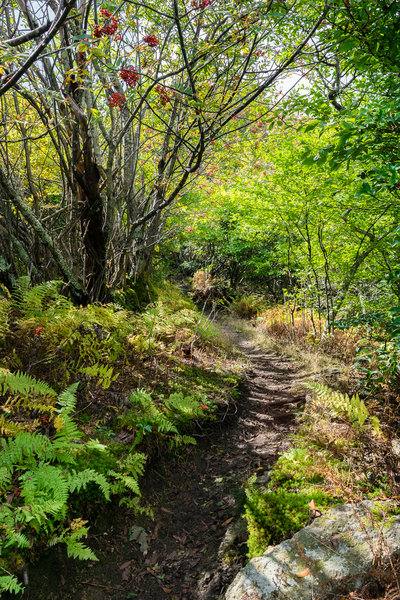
pixel 137 293
pixel 275 515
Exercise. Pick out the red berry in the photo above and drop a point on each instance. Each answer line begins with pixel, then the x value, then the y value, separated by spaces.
pixel 109 26
pixel 116 99
pixel 130 76
pixel 201 3
pixel 151 40
pixel 163 94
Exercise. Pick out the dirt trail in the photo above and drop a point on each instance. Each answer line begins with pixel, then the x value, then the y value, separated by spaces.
pixel 196 498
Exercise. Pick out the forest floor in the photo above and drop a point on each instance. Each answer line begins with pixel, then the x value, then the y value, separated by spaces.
pixel 195 497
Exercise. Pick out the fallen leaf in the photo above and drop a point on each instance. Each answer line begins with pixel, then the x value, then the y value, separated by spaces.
pixel 126 564
pixel 166 510
pixel 166 590
pixel 312 505
pixel 227 522
pixel 303 573
pixel 154 534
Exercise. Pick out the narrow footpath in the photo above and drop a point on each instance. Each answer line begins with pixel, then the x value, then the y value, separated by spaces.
pixel 197 499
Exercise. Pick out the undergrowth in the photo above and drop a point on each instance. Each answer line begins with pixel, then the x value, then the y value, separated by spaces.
pixel 88 394
pixel 339 454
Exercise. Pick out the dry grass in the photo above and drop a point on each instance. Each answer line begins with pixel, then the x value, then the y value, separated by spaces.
pixel 384 585
pixel 305 328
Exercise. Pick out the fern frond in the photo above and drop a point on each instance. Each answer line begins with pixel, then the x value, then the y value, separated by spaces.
pixel 4 308
pixel 67 400
pixel 9 583
pixel 45 489
pixel 133 464
pixel 353 408
pixel 78 480
pixel 5 477
pixel 187 405
pixel 21 383
pixel 9 427
pixel 67 430
pixel 31 300
pixel 19 402
pixel 124 482
pixel 148 413
pixel 67 436
pixel 78 550
pixel 104 374
pixel 184 439
pixel 24 448
pixel 16 539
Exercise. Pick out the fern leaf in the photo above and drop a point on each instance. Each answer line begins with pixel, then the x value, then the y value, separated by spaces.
pixel 79 480
pixel 127 482
pixel 24 384
pixel 67 400
pixel 31 300
pixel 133 464
pixel 78 550
pixel 16 539
pixel 9 428
pixel 9 583
pixel 188 405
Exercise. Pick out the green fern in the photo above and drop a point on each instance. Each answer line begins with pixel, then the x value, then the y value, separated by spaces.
pixel 24 449
pixel 134 464
pixel 39 474
pixel 186 406
pixel 341 404
pixel 23 393
pixel 9 583
pixel 4 322
pixel 145 416
pixel 77 481
pixel 78 550
pixel 23 384
pixel 30 301
pixel 103 373
pixel 71 537
pixel 123 482
pixel 178 440
pixel 68 432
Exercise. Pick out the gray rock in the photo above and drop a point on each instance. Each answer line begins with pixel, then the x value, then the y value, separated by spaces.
pixel 327 559
pixel 236 532
pixel 396 447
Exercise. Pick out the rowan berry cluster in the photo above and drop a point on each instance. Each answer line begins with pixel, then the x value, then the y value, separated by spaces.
pixel 201 3
pixel 151 40
pixel 130 76
pixel 116 99
pixel 163 94
pixel 109 25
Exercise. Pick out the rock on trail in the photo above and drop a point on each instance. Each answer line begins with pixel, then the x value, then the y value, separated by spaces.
pixel 327 559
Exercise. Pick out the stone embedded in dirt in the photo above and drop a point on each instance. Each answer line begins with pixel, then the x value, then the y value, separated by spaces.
pixel 327 559
pixel 396 447
pixel 235 533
